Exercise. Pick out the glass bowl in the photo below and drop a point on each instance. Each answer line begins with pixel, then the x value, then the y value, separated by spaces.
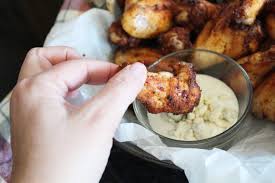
pixel 218 66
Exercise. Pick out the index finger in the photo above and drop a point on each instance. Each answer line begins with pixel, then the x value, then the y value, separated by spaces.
pixel 70 75
pixel 42 59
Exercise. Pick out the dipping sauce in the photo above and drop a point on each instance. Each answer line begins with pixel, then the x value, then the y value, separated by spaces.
pixel 217 111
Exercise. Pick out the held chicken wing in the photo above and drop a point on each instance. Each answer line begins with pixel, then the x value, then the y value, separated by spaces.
pixel 270 24
pixel 264 99
pixel 258 65
pixel 195 14
pixel 175 39
pixel 119 37
pixel 165 92
pixel 248 10
pixel 147 56
pixel 147 18
pixel 223 36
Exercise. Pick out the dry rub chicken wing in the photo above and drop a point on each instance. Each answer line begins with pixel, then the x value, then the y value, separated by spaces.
pixel 147 56
pixel 248 10
pixel 175 39
pixel 147 18
pixel 223 36
pixel 119 37
pixel 264 99
pixel 195 13
pixel 165 92
pixel 258 65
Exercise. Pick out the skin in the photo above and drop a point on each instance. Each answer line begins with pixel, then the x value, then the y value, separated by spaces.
pixel 54 141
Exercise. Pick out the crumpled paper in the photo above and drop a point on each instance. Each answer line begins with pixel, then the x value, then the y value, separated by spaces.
pixel 252 160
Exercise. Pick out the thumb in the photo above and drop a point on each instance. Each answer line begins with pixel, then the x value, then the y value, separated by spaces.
pixel 113 100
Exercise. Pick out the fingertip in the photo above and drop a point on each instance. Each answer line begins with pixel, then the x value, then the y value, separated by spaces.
pixel 139 69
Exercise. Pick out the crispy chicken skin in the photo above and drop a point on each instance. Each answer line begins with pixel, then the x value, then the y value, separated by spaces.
pixel 119 37
pixel 195 13
pixel 165 92
pixel 147 18
pixel 168 65
pixel 258 65
pixel 147 56
pixel 248 10
pixel 264 99
pixel 223 36
pixel 270 24
pixel 175 39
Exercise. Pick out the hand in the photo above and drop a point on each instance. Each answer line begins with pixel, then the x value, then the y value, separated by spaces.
pixel 55 141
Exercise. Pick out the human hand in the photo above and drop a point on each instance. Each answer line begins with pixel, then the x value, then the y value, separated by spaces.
pixel 55 141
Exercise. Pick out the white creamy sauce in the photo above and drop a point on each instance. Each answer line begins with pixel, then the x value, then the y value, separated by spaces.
pixel 217 111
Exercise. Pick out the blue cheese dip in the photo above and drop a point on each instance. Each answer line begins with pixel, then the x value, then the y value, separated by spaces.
pixel 217 111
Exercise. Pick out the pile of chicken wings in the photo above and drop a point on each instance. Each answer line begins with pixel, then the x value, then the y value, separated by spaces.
pixel 241 29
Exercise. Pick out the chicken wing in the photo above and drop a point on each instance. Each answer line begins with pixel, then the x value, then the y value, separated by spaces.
pixel 175 39
pixel 195 14
pixel 121 3
pixel 165 92
pixel 223 36
pixel 264 99
pixel 258 65
pixel 147 56
pixel 119 37
pixel 248 10
pixel 147 18
pixel 270 24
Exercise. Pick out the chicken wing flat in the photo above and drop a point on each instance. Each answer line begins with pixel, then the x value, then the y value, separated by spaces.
pixel 147 18
pixel 195 13
pixel 264 99
pixel 258 65
pixel 270 24
pixel 222 36
pixel 119 37
pixel 248 10
pixel 147 56
pixel 166 92
pixel 175 39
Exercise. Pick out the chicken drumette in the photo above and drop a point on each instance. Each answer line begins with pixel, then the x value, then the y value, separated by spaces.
pixel 258 65
pixel 147 18
pixel 225 36
pixel 195 13
pixel 247 10
pixel 176 93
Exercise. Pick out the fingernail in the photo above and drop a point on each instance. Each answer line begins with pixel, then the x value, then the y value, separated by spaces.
pixel 138 68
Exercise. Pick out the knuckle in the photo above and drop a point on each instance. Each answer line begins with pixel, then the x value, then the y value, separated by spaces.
pixel 33 52
pixel 20 89
pixel 37 82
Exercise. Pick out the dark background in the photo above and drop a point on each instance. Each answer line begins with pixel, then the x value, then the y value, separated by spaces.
pixel 25 24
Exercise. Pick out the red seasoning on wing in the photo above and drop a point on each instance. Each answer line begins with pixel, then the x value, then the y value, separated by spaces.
pixel 174 93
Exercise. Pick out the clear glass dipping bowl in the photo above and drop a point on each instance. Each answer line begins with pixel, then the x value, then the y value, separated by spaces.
pixel 223 68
